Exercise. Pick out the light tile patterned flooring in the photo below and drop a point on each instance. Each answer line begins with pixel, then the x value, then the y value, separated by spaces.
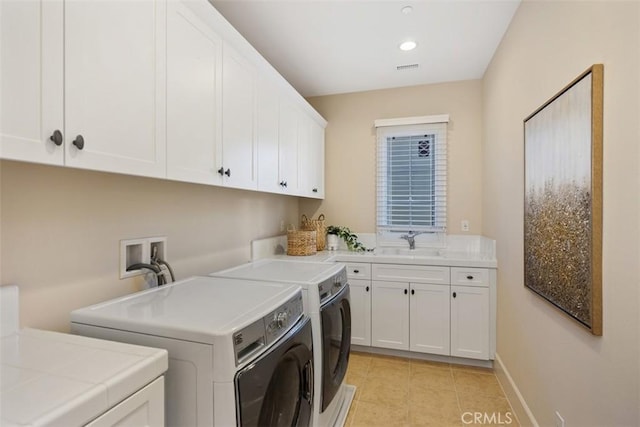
pixel 393 391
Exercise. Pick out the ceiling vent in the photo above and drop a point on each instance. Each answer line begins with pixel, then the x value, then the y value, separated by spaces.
pixel 406 67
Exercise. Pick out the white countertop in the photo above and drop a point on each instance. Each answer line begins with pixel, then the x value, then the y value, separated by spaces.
pixel 50 378
pixel 461 251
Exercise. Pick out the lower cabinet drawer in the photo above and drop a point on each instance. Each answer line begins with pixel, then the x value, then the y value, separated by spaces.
pixel 358 270
pixel 468 276
pixel 410 273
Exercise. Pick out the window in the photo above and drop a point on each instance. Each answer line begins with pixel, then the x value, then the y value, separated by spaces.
pixel 412 174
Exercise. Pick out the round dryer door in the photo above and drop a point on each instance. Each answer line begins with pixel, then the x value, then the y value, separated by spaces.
pixel 277 388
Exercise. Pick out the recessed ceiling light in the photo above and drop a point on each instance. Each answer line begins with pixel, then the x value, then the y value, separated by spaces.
pixel 408 45
pixel 407 10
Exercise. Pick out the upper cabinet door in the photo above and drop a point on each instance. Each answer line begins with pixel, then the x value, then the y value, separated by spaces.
pixel 311 152
pixel 31 80
pixel 194 94
pixel 288 147
pixel 239 120
pixel 268 135
pixel 115 86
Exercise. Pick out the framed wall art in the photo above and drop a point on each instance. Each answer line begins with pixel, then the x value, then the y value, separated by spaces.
pixel 563 200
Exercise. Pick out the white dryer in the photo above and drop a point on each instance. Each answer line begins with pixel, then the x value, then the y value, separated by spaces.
pixel 240 353
pixel 326 301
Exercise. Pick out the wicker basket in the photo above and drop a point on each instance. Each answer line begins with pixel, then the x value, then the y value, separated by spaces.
pixel 319 227
pixel 301 242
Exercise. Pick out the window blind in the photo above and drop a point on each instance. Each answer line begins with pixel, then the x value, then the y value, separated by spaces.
pixel 412 177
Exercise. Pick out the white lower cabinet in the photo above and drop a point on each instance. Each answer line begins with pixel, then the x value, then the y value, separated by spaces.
pixel 390 315
pixel 360 291
pixel 470 322
pixel 431 309
pixel 410 316
pixel 429 318
pixel 144 408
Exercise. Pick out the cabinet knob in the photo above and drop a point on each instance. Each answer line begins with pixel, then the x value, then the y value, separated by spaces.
pixel 367 289
pixel 315 190
pixel 79 142
pixel 228 173
pixel 454 294
pixel 470 277
pixel 356 271
pixel 283 183
pixel 56 137
pixel 406 291
pixel 413 291
pixel 221 171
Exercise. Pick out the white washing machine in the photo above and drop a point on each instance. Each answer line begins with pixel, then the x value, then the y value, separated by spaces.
pixel 240 353
pixel 326 301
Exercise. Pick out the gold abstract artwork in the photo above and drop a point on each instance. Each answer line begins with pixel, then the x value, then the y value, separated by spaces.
pixel 563 200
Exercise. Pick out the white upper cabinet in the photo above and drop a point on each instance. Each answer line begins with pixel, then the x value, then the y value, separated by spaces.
pixel 31 80
pixel 158 88
pixel 311 153
pixel 268 137
pixel 194 94
pixel 288 146
pixel 239 120
pixel 86 76
pixel 115 86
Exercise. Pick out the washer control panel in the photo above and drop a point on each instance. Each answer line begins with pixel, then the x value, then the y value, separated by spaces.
pixel 253 338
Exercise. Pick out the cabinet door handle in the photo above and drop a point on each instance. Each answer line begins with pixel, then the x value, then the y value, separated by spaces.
pixel 79 142
pixel 356 271
pixel 406 291
pixel 228 173
pixel 56 137
pixel 315 190
pixel 413 291
pixel 470 277
pixel 454 294
pixel 221 171
pixel 367 289
pixel 284 183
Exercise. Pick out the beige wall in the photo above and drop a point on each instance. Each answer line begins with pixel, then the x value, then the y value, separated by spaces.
pixel 556 364
pixel 351 150
pixel 60 230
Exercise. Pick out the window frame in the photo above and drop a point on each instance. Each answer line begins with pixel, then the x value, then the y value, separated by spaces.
pixel 403 127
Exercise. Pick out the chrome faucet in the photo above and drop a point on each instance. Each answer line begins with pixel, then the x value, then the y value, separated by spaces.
pixel 411 238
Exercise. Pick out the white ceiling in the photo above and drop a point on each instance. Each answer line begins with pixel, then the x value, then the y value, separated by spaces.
pixel 336 46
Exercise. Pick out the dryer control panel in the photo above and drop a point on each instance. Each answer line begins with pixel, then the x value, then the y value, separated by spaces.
pixel 332 285
pixel 254 338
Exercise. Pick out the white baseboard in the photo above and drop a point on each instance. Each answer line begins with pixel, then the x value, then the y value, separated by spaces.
pixel 518 404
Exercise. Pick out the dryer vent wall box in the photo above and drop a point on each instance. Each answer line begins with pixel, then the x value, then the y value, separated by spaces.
pixel 140 251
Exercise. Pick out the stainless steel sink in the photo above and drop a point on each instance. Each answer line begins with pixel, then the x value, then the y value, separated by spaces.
pixel 418 252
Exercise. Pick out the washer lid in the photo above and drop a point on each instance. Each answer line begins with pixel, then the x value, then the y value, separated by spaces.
pixel 304 273
pixel 200 309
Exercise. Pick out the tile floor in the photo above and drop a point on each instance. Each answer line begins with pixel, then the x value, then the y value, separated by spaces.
pixel 393 391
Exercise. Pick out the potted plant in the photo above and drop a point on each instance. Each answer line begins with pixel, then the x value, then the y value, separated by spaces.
pixel 335 232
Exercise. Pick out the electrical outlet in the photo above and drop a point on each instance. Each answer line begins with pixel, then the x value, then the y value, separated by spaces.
pixel 559 420
pixel 464 225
